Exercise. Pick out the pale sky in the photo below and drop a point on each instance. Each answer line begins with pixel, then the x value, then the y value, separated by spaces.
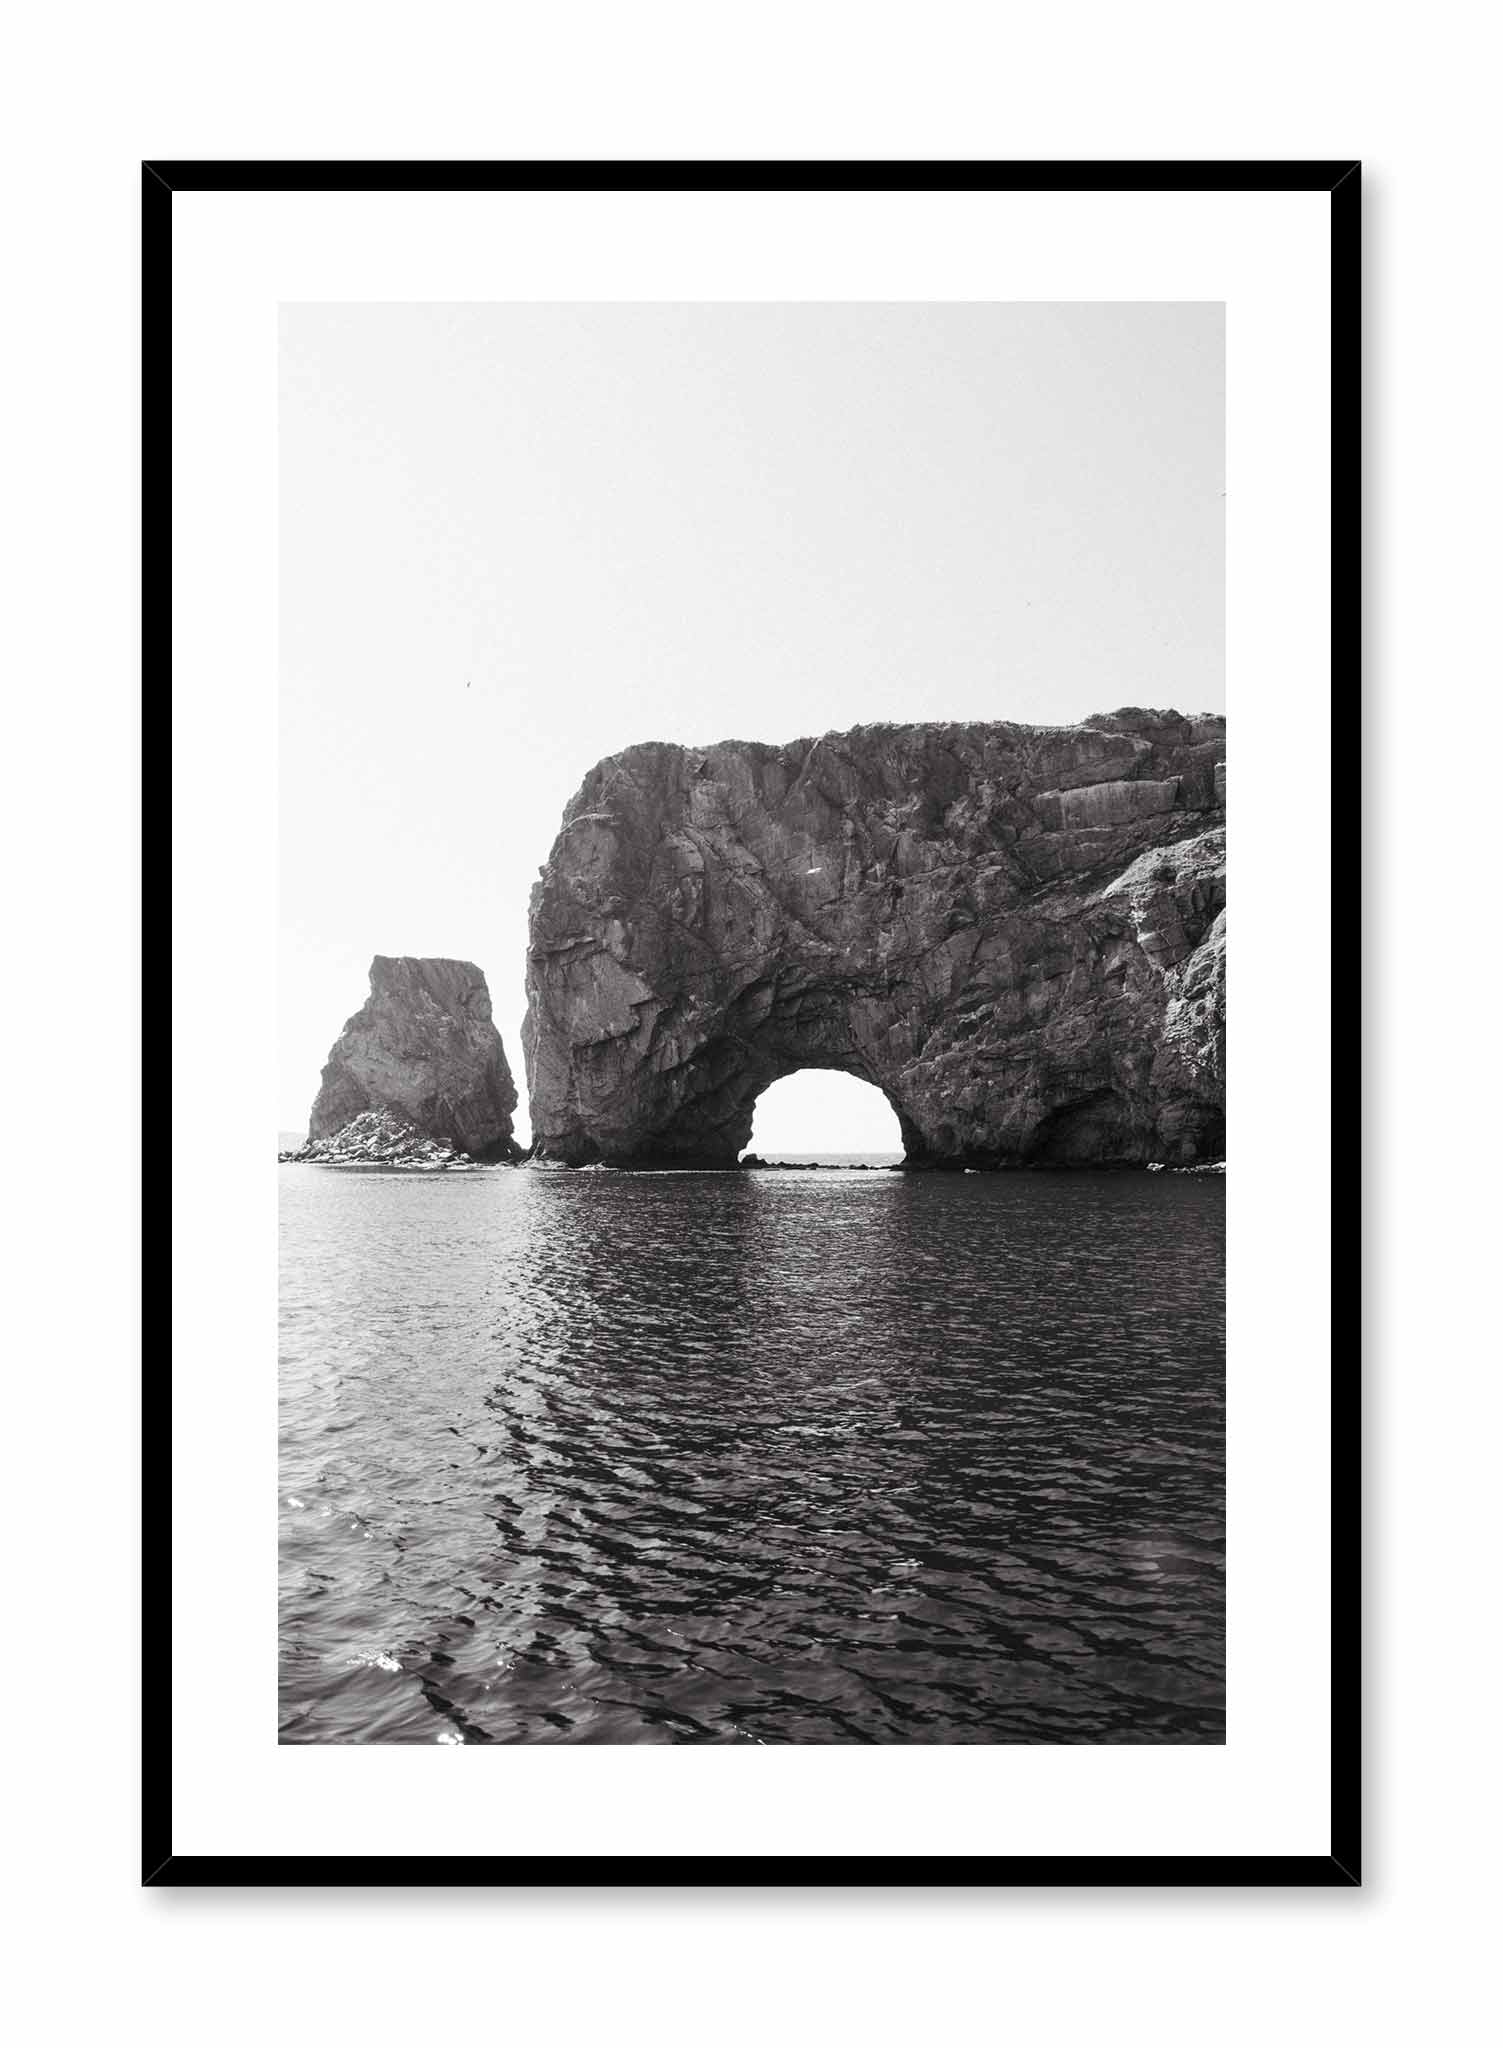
pixel 517 538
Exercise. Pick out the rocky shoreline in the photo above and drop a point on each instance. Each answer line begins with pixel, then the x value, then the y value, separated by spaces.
pixel 378 1138
pixel 926 1166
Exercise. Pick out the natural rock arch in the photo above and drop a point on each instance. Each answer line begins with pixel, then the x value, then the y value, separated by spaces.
pixel 802 1113
pixel 1017 933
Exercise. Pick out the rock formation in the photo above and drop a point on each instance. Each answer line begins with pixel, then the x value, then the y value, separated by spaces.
pixel 1017 933
pixel 424 1050
pixel 377 1138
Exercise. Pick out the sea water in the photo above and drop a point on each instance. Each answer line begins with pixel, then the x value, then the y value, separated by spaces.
pixel 841 1456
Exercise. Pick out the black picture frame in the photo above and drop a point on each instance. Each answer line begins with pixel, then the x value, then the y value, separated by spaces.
pixel 1341 179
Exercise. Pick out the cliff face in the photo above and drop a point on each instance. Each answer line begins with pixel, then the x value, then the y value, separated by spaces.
pixel 423 1048
pixel 1018 933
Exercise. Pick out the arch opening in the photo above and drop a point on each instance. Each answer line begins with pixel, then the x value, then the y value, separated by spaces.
pixel 818 1115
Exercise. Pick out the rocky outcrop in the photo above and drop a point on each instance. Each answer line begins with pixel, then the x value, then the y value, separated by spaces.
pixel 1016 932
pixel 425 1051
pixel 377 1138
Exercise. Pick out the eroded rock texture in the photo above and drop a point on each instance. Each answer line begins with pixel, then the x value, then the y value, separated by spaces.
pixel 1017 933
pixel 377 1138
pixel 425 1049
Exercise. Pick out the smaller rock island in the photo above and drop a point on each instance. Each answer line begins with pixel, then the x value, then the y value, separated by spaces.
pixel 418 1077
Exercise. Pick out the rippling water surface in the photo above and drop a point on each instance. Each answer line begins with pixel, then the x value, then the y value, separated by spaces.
pixel 833 1457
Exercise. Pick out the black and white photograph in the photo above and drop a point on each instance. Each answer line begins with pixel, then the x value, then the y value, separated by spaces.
pixel 753 991
pixel 760 1208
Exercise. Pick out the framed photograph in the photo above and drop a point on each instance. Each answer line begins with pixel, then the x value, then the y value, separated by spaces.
pixel 799 1230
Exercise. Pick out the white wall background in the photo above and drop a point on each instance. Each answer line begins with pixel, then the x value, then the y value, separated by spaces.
pixel 1407 1958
